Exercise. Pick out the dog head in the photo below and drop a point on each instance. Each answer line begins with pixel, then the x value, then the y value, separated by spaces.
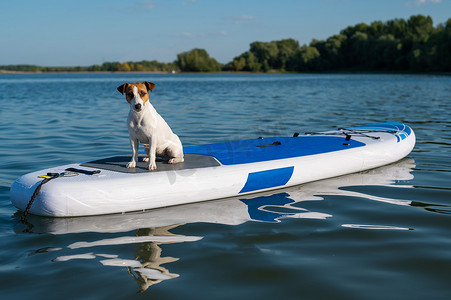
pixel 136 93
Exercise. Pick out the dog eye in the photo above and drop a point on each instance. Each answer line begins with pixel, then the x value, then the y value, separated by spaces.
pixel 130 95
pixel 143 94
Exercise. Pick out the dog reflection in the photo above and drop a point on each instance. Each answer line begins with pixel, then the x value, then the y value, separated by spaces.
pixel 149 255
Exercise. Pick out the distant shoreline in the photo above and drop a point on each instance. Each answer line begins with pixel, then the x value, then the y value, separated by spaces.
pixel 344 71
pixel 82 72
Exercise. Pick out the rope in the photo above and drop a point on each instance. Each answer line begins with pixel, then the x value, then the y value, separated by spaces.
pixel 49 177
pixel 350 132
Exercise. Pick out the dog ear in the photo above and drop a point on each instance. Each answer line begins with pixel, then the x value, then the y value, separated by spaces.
pixel 122 88
pixel 149 85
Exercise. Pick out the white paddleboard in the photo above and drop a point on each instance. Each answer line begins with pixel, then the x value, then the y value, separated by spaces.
pixel 211 171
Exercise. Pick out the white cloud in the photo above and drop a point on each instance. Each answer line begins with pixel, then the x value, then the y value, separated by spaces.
pixel 191 35
pixel 241 19
pixel 187 35
pixel 421 2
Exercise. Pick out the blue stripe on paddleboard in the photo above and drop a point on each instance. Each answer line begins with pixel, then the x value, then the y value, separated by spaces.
pixel 402 130
pixel 267 179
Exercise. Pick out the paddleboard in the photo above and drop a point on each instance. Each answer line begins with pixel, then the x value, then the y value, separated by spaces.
pixel 211 171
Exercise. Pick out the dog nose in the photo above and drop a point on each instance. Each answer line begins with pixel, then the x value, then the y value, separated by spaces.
pixel 138 106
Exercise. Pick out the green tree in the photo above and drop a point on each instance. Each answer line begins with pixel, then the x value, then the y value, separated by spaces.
pixel 197 60
pixel 305 59
pixel 333 51
pixel 125 67
pixel 386 51
pixel 444 47
pixel 252 63
pixel 286 49
pixel 266 54
pixel 238 64
pixel 419 28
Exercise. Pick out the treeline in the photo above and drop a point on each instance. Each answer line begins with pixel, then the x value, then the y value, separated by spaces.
pixel 142 66
pixel 398 45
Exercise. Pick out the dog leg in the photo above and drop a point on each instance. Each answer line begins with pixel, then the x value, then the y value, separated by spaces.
pixel 152 154
pixel 146 158
pixel 135 144
pixel 175 160
pixel 176 155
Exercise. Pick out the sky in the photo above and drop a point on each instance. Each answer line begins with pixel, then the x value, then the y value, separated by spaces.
pixel 88 32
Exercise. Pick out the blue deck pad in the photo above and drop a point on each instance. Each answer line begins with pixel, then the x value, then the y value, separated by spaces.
pixel 267 179
pixel 250 151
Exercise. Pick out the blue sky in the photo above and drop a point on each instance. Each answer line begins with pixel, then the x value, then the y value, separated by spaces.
pixel 87 32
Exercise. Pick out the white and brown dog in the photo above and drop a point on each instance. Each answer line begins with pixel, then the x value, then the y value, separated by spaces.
pixel 145 125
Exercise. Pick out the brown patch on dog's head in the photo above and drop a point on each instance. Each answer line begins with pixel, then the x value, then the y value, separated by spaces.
pixel 143 89
pixel 122 88
pixel 149 85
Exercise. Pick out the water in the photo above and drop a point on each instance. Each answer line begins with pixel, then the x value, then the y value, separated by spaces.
pixel 379 234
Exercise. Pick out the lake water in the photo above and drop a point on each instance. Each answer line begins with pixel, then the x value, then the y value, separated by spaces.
pixel 379 234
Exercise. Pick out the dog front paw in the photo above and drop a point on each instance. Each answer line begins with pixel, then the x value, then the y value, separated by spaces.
pixel 131 164
pixel 152 167
pixel 145 159
pixel 175 160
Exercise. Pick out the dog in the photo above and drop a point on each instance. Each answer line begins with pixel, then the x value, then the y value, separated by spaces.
pixel 145 125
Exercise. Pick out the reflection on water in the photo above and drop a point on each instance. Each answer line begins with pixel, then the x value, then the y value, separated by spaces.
pixel 146 267
pixel 272 208
pixel 374 227
pixel 151 270
pixel 152 229
pixel 286 204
